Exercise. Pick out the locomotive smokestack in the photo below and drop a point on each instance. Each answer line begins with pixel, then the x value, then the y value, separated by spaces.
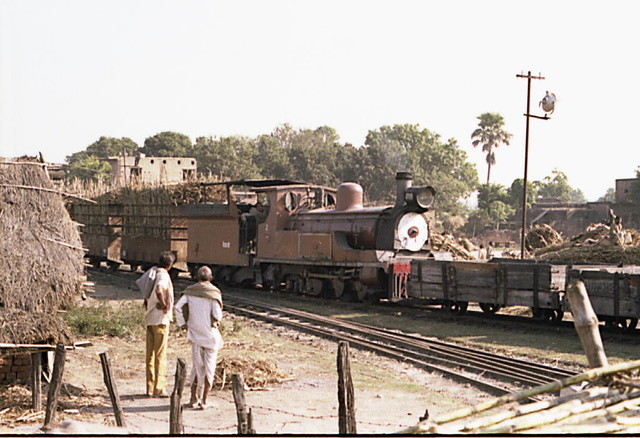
pixel 404 180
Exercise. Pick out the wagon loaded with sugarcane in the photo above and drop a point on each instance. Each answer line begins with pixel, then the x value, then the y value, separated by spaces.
pixel 132 225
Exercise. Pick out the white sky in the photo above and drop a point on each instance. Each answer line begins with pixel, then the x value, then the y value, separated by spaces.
pixel 72 71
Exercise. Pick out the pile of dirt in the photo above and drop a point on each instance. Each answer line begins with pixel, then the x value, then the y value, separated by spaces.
pixel 41 255
pixel 447 243
pixel 256 374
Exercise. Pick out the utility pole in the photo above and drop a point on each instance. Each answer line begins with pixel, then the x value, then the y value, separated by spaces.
pixel 526 157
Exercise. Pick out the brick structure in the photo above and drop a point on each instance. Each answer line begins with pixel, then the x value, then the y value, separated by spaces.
pixel 15 368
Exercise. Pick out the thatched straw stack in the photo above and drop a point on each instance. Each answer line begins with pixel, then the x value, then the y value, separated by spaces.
pixel 41 256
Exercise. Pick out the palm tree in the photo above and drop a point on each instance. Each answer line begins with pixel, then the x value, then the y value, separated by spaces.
pixel 490 134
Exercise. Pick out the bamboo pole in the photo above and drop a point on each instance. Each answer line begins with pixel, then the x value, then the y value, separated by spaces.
pixel 44 346
pixel 54 386
pixel 36 381
pixel 346 399
pixel 245 424
pixel 43 189
pixel 586 324
pixel 113 391
pixel 176 426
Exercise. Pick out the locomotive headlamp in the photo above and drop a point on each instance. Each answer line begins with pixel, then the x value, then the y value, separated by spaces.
pixel 423 197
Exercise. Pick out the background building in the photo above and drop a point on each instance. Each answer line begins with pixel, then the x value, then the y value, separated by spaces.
pixel 152 169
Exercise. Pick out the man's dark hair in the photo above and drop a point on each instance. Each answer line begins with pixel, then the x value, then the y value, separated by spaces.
pixel 167 259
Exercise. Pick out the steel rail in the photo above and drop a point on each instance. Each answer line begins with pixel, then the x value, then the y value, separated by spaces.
pixel 392 352
pixel 414 349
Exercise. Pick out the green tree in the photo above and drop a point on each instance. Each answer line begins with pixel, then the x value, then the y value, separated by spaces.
pixel 498 212
pixel 557 186
pixel 87 165
pixel 168 144
pixel 477 221
pixel 274 158
pixel 227 157
pixel 489 193
pixel 490 134
pixel 515 193
pixel 442 165
pixel 610 196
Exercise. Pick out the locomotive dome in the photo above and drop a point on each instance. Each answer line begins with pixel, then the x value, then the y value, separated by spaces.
pixel 350 196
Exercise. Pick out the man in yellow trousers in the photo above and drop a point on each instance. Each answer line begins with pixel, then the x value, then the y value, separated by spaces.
pixel 158 317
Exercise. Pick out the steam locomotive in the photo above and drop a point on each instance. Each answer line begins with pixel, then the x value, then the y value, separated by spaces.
pixel 312 239
pixel 281 234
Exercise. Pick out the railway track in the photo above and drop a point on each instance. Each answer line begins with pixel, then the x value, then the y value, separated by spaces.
pixel 488 371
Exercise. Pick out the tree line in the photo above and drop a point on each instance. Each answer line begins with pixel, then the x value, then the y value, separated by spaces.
pixel 317 156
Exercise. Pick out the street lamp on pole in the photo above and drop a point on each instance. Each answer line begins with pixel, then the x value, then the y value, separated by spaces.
pixel 549 103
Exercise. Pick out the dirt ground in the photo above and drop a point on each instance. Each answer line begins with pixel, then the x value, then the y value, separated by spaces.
pixel 389 395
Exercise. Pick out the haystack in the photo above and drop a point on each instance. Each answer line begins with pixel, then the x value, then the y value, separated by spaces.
pixel 41 256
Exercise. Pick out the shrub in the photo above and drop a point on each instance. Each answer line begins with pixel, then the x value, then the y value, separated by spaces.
pixel 102 320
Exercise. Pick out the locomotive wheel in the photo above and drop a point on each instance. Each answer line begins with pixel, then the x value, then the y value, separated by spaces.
pixel 490 308
pixel 332 288
pixel 360 289
pixel 313 286
pixel 337 288
pixel 113 266
pixel 456 307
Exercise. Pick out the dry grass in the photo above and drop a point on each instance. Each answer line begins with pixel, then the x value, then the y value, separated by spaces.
pixel 41 260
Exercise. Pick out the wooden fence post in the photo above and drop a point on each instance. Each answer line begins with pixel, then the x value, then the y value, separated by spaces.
pixel 586 324
pixel 175 412
pixel 346 399
pixel 245 420
pixel 36 381
pixel 113 391
pixel 54 386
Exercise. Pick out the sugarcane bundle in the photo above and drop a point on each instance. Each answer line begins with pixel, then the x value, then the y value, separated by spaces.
pixel 605 399
pixel 446 243
pixel 629 255
pixel 542 236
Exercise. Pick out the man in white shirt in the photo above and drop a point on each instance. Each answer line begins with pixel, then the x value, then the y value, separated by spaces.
pixel 204 303
pixel 158 317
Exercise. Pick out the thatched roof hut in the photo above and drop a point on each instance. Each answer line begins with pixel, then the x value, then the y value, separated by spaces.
pixel 41 256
